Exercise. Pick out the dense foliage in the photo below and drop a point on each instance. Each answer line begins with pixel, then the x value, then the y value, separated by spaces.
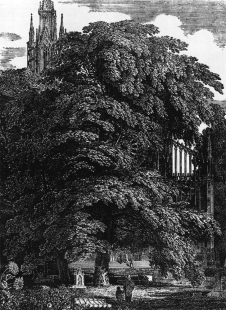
pixel 81 145
pixel 42 298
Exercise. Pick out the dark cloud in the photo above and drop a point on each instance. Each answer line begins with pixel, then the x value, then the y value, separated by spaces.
pixel 194 14
pixel 10 36
pixel 8 54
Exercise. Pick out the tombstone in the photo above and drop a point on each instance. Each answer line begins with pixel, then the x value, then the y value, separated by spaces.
pixel 104 279
pixel 79 279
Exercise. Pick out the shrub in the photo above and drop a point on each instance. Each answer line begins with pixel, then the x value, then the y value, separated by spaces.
pixel 9 275
pixel 57 299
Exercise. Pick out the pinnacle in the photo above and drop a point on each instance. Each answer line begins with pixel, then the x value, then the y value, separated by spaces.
pixel 61 26
pixel 31 25
pixel 62 20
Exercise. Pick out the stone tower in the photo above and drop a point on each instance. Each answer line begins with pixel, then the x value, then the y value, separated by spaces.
pixel 39 47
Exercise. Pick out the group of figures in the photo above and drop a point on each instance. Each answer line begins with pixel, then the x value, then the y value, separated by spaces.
pixel 127 292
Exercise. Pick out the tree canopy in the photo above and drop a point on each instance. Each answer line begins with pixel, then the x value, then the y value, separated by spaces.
pixel 80 168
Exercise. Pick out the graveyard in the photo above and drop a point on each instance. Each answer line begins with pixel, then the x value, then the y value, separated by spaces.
pixel 173 298
pixel 148 293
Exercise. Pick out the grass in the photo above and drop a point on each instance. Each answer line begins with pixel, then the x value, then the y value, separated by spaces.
pixel 159 299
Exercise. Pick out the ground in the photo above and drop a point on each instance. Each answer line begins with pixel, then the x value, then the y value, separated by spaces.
pixel 144 298
pixel 172 298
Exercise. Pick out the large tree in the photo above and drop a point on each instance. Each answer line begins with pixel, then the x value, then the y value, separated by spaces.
pixel 82 173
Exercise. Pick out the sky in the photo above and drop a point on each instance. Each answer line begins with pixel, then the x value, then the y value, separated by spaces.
pixel 200 23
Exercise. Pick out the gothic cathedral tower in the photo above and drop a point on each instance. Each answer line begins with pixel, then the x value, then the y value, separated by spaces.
pixel 39 49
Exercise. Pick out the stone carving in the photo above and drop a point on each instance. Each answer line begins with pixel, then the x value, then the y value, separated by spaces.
pixel 105 279
pixel 79 279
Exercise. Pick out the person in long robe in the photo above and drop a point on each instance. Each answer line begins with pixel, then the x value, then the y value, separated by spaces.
pixel 128 289
pixel 119 294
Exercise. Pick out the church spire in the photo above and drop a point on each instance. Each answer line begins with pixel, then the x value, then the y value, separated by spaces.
pixel 61 26
pixel 31 25
pixel 40 49
pixel 32 31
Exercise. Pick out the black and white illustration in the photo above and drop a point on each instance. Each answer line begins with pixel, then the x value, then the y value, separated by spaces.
pixel 112 154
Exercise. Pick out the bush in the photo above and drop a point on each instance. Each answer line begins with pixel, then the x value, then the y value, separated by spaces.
pixel 56 298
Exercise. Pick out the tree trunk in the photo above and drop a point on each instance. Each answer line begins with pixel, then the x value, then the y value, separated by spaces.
pixel 101 266
pixel 63 270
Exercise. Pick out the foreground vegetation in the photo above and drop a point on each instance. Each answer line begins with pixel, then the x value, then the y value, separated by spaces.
pixel 144 298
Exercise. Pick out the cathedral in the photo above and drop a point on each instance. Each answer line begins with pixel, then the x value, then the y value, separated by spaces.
pixel 40 44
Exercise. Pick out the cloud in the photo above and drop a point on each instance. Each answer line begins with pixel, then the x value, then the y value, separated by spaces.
pixel 10 36
pixel 76 16
pixel 201 45
pixel 194 14
pixel 7 54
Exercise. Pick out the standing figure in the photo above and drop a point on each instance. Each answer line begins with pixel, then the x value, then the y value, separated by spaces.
pixel 119 294
pixel 128 288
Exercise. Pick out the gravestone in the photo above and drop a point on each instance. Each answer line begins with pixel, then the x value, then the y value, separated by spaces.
pixel 79 279
pixel 104 279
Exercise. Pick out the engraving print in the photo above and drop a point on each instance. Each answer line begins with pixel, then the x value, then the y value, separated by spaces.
pixel 112 154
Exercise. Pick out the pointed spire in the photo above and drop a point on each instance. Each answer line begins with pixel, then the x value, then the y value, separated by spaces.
pixel 32 31
pixel 61 26
pixel 31 21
